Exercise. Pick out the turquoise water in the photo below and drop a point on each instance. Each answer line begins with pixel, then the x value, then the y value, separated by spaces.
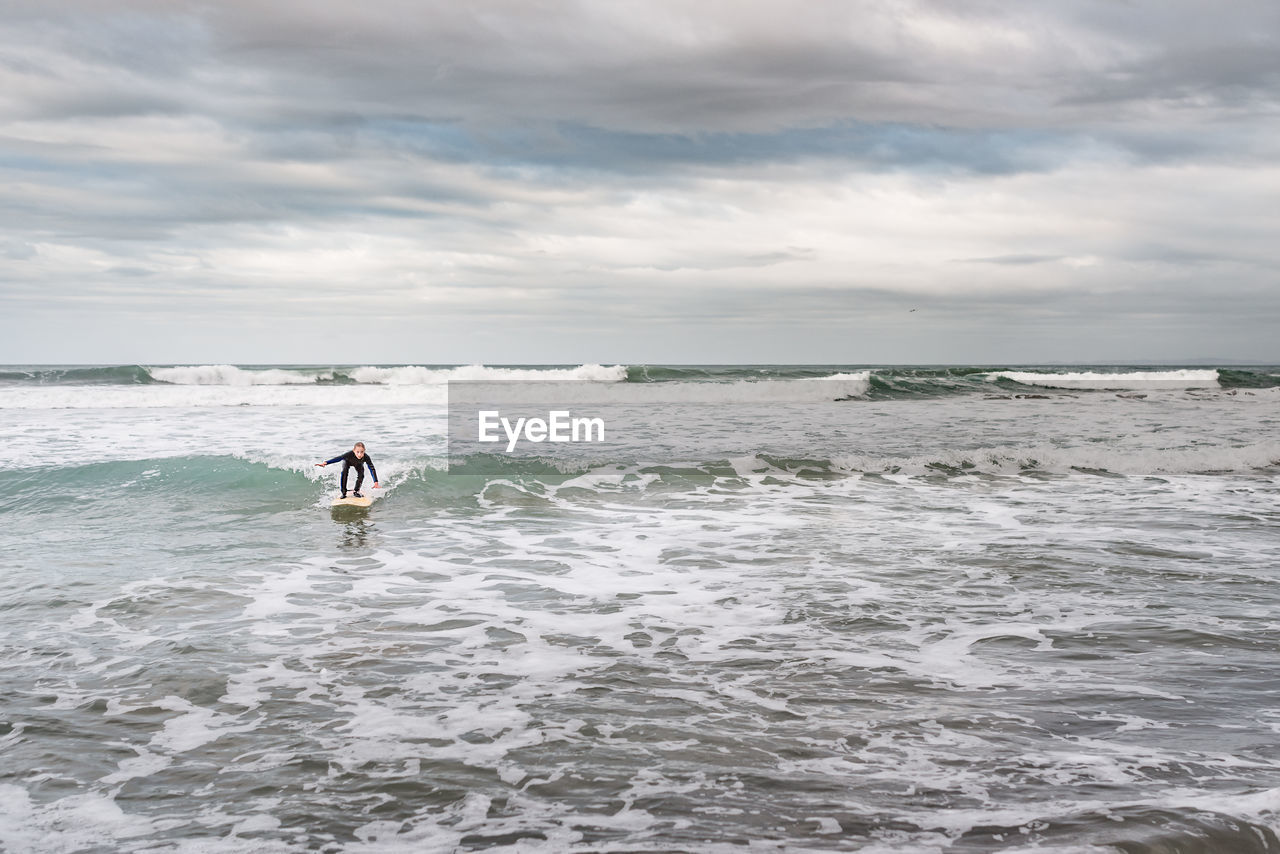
pixel 947 611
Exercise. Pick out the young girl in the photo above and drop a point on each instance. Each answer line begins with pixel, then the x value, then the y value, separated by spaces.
pixel 355 458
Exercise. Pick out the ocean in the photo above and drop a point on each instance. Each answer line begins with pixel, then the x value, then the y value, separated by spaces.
pixel 813 609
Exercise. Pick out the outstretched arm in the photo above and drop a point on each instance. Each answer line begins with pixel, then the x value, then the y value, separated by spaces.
pixel 334 460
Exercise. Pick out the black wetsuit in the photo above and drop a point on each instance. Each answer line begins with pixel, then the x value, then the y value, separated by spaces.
pixel 351 461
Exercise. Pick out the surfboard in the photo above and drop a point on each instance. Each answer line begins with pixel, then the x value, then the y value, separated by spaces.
pixel 352 502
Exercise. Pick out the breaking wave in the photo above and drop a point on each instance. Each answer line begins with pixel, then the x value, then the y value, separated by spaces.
pixel 170 386
pixel 1101 380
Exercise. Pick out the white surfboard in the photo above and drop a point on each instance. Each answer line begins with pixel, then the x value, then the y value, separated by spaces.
pixel 352 501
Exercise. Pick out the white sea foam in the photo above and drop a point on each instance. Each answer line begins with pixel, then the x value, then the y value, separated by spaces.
pixel 73 823
pixel 476 647
pixel 416 375
pixel 230 375
pixel 196 396
pixel 1183 379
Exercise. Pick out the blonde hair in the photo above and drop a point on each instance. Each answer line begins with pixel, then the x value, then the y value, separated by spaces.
pixel 359 444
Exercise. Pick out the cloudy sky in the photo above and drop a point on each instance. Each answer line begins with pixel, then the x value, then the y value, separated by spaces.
pixel 614 181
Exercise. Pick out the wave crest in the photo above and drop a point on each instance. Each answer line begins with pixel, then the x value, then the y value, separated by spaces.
pixel 232 375
pixel 418 375
pixel 1103 381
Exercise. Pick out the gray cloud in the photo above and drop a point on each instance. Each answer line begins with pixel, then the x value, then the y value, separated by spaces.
pixel 661 68
pixel 734 161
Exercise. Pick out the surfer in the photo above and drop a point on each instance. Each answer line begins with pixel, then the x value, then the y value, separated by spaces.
pixel 356 459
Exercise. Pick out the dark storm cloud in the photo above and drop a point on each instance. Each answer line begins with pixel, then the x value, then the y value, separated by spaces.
pixel 747 67
pixel 649 69
pixel 987 87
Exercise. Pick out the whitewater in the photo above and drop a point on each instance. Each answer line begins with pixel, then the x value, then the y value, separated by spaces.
pixel 803 608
